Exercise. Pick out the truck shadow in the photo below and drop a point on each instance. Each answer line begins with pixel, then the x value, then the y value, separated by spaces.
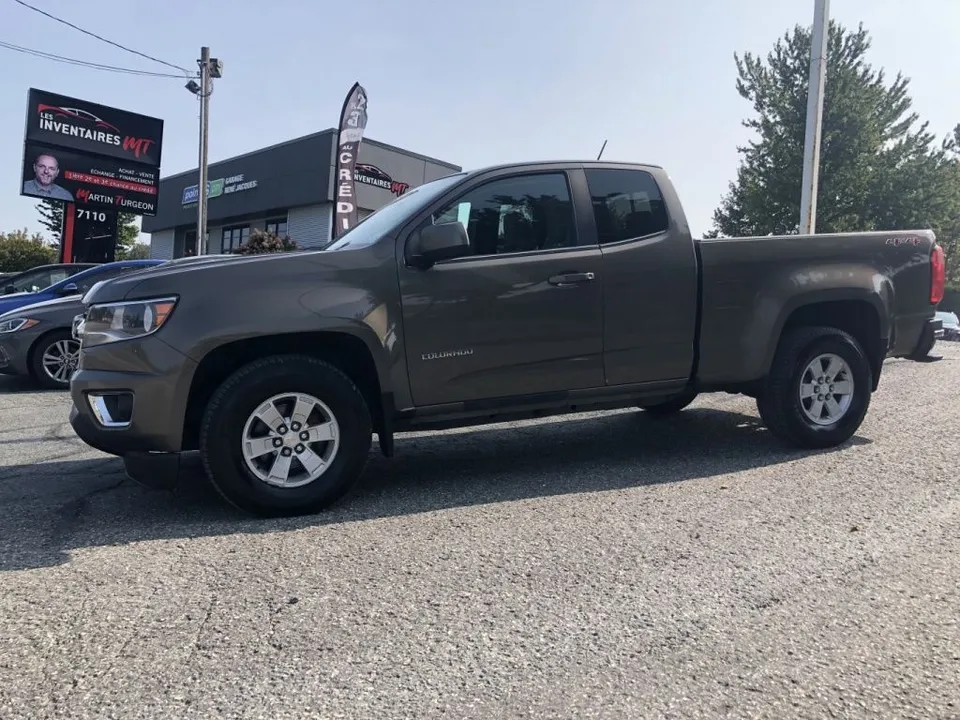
pixel 48 510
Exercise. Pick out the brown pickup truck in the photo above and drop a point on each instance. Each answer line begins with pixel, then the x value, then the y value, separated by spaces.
pixel 516 291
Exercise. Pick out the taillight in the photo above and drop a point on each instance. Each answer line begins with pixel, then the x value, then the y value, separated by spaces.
pixel 938 274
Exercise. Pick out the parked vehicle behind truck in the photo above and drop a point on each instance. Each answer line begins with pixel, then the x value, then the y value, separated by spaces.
pixel 510 292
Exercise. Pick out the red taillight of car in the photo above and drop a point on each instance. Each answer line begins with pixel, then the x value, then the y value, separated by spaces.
pixel 938 274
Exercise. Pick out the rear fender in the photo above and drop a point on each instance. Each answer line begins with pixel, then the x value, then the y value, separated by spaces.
pixel 784 295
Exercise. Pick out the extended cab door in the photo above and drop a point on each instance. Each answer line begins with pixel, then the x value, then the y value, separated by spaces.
pixel 650 280
pixel 522 315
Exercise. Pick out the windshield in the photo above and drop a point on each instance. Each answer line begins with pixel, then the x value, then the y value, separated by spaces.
pixel 375 226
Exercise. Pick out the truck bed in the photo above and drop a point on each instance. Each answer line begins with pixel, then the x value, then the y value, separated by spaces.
pixel 752 286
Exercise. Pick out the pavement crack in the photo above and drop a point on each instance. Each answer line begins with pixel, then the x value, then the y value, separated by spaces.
pixel 195 645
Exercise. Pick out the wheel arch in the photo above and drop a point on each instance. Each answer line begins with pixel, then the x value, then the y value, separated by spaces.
pixel 37 343
pixel 346 351
pixel 861 314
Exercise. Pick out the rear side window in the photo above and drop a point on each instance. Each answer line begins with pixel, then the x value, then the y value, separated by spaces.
pixel 626 205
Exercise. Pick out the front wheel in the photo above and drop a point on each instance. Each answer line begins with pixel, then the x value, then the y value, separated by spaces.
pixel 285 435
pixel 55 359
pixel 818 389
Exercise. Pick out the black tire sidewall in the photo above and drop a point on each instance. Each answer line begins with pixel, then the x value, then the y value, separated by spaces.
pixel 796 422
pixel 36 359
pixel 232 405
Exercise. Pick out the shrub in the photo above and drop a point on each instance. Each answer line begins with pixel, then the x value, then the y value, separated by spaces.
pixel 261 241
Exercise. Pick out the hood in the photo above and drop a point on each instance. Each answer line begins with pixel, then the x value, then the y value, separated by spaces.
pixel 18 300
pixel 44 305
pixel 226 272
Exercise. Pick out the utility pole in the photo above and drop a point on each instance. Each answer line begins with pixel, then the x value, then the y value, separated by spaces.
pixel 210 68
pixel 206 86
pixel 811 142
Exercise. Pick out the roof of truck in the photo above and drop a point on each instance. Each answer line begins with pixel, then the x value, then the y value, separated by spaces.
pixel 585 163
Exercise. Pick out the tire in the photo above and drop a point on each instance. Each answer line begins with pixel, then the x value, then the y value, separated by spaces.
pixel 229 420
pixel 671 406
pixel 780 404
pixel 43 371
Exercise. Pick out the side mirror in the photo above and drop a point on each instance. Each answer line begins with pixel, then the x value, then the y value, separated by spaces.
pixel 69 289
pixel 436 243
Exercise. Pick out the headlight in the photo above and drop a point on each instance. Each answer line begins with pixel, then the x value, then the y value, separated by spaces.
pixel 18 323
pixel 113 322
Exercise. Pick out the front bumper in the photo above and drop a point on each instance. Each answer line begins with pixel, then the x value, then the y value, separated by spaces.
pixel 156 470
pixel 14 352
pixel 130 400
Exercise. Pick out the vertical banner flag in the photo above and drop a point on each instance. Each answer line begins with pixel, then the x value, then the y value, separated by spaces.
pixel 353 121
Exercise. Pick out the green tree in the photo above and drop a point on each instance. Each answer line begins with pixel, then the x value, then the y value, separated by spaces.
pixel 51 217
pixel 138 251
pixel 128 233
pixel 21 251
pixel 880 169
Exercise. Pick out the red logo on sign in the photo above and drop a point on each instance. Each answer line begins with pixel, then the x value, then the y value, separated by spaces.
pixel 83 194
pixel 138 146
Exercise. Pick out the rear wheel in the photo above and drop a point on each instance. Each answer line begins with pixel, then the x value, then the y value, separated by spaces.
pixel 818 389
pixel 286 435
pixel 55 359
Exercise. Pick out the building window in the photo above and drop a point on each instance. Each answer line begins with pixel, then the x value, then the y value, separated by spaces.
pixel 277 227
pixel 233 237
pixel 190 243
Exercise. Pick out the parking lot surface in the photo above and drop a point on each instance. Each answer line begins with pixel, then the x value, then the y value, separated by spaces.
pixel 605 566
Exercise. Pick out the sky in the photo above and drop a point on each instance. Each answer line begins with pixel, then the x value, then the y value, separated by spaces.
pixel 473 83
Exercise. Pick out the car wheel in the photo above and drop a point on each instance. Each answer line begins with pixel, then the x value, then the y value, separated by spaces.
pixel 54 360
pixel 671 406
pixel 285 435
pixel 818 389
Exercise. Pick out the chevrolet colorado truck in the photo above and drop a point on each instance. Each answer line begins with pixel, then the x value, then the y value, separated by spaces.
pixel 516 291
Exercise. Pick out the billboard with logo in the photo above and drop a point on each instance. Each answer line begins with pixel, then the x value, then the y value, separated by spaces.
pixel 85 127
pixel 89 181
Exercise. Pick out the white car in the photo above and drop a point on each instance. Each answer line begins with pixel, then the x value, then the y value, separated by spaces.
pixel 951 325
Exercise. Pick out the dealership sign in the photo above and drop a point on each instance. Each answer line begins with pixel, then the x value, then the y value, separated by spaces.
pixel 77 125
pixel 372 175
pixel 218 187
pixel 91 182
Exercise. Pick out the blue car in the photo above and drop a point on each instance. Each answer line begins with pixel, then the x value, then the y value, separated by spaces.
pixel 75 284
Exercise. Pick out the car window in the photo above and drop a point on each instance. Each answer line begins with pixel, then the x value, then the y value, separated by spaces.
pixel 627 204
pixel 85 283
pixel 515 214
pixel 39 280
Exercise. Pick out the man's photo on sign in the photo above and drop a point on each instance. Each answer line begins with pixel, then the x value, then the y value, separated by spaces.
pixel 46 169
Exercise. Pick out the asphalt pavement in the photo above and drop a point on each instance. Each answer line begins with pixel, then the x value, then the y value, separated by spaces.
pixel 595 566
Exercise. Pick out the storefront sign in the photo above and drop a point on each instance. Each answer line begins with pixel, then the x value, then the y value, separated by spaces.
pixel 89 181
pixel 372 175
pixel 66 123
pixel 218 187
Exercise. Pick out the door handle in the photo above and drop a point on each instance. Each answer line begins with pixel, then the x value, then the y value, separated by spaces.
pixel 571 279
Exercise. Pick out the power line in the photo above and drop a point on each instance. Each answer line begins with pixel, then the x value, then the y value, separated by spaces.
pixel 84 63
pixel 103 39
